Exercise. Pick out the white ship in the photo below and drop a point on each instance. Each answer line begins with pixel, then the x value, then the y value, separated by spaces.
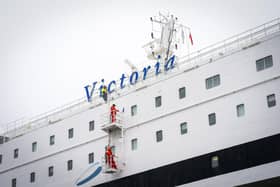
pixel 208 118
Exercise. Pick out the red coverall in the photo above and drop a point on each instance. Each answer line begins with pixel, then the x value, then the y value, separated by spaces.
pixel 114 111
pixel 110 158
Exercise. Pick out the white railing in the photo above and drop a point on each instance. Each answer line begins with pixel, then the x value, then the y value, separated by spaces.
pixel 201 57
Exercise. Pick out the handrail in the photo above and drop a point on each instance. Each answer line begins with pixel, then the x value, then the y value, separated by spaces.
pixel 222 48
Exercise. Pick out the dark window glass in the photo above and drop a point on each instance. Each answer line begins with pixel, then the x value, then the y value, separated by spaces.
pixel 32 177
pixel 213 81
pixel 14 182
pixel 134 144
pixel 271 100
pixel 69 165
pixel 52 140
pixel 34 146
pixel 158 101
pixel 184 128
pixel 240 110
pixel 90 158
pixel 51 171
pixel 70 133
pixel 1 157
pixel 91 125
pixel 182 93
pixel 133 110
pixel 16 152
pixel 264 63
pixel 212 119
pixel 159 136
pixel 215 162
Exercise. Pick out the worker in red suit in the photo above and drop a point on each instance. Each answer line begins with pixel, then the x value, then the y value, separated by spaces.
pixel 114 111
pixel 110 158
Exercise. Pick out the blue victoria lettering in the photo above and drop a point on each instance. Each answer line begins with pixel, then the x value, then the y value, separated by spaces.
pixel 134 77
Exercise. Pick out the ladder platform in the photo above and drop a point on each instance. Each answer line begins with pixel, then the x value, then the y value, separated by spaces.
pixel 112 126
pixel 110 170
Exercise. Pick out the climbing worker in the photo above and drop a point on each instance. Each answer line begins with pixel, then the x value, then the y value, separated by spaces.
pixel 110 158
pixel 104 93
pixel 114 111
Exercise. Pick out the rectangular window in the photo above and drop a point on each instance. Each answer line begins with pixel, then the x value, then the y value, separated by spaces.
pixel 264 63
pixel 215 162
pixel 1 157
pixel 212 119
pixel 14 182
pixel 69 165
pixel 159 136
pixel 70 133
pixel 51 171
pixel 158 101
pixel 16 153
pixel 182 92
pixel 184 128
pixel 52 140
pixel 213 81
pixel 34 146
pixel 271 100
pixel 133 110
pixel 32 177
pixel 91 125
pixel 90 158
pixel 134 144
pixel 240 110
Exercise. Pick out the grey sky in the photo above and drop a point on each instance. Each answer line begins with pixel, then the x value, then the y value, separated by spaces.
pixel 51 49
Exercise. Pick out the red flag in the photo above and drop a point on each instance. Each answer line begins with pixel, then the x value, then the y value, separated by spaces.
pixel 190 37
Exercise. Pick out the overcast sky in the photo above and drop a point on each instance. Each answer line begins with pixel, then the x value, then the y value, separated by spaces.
pixel 51 49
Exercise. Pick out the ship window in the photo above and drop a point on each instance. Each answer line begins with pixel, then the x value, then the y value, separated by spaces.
pixel 51 171
pixel 16 153
pixel 271 100
pixel 70 133
pixel 182 92
pixel 215 162
pixel 240 110
pixel 212 118
pixel 91 125
pixel 1 157
pixel 184 128
pixel 52 140
pixel 158 101
pixel 159 135
pixel 133 110
pixel 34 146
pixel 90 158
pixel 32 177
pixel 14 182
pixel 134 144
pixel 213 81
pixel 264 63
pixel 69 165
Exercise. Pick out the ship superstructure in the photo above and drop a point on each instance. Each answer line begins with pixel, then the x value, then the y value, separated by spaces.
pixel 209 119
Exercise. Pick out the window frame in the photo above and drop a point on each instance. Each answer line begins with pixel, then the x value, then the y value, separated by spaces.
pixel 210 122
pixel 50 171
pixel 69 165
pixel 133 110
pixel 16 153
pixel 215 163
pixel 34 147
pixel 52 140
pixel 183 131
pixel 71 133
pixel 272 103
pixel 134 144
pixel 264 63
pixel 158 101
pixel 180 92
pixel 213 81
pixel 240 110
pixel 14 182
pixel 32 177
pixel 91 158
pixel 91 125
pixel 1 158
pixel 159 138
